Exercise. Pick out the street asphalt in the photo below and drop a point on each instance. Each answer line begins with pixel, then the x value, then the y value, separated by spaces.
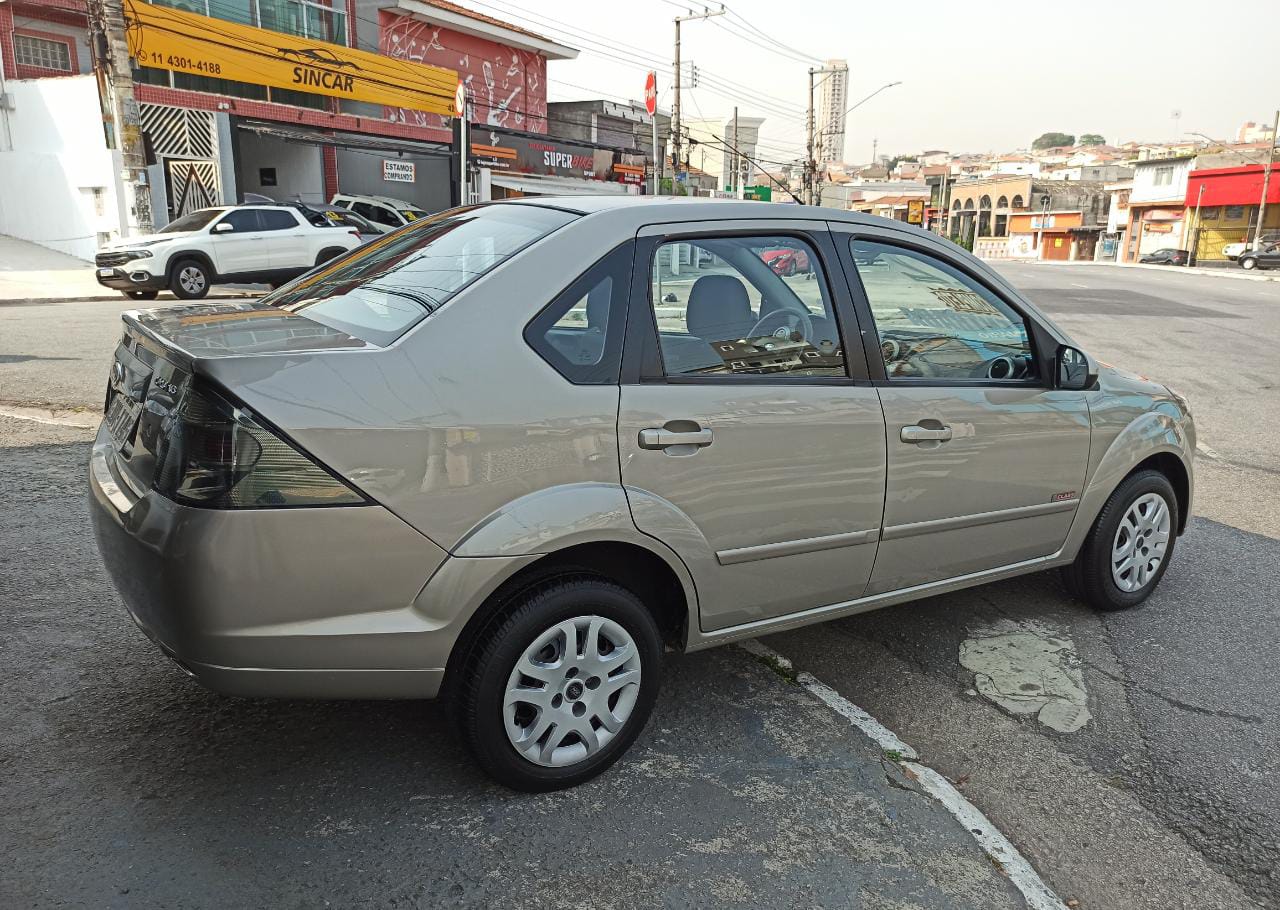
pixel 1137 769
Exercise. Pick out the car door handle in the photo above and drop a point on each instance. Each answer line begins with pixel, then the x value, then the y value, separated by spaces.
pixel 661 439
pixel 916 434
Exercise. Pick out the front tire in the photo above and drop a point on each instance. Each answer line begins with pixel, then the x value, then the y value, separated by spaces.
pixel 1130 545
pixel 1248 264
pixel 191 279
pixel 564 685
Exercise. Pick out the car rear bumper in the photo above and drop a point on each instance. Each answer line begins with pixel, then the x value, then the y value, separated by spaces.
pixel 123 278
pixel 312 603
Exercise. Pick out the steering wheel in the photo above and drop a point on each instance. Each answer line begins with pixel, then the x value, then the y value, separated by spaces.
pixel 782 324
pixel 1006 366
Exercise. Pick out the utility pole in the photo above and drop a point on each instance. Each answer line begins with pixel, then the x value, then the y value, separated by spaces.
pixel 111 41
pixel 1266 184
pixel 809 164
pixel 737 165
pixel 675 107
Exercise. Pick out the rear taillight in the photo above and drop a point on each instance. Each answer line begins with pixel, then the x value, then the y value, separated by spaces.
pixel 219 455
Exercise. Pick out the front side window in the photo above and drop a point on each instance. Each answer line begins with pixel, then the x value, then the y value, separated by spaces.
pixel 243 220
pixel 192 221
pixel 746 305
pixel 384 288
pixel 935 322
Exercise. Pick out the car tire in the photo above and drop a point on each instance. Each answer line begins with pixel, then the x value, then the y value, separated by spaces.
pixel 190 280
pixel 512 740
pixel 141 295
pixel 331 253
pixel 1147 507
pixel 1249 263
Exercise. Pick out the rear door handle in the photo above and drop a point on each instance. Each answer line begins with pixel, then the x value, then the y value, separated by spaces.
pixel 661 439
pixel 917 433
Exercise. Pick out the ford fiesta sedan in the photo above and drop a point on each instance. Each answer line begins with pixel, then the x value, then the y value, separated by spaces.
pixel 511 453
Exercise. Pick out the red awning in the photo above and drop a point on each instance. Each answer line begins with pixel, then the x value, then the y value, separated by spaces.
pixel 1232 186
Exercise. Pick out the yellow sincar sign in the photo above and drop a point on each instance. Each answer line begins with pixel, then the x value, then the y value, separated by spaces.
pixel 173 39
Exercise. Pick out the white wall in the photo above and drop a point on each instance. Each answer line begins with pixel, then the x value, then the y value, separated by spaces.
pixel 1145 188
pixel 299 168
pixel 58 181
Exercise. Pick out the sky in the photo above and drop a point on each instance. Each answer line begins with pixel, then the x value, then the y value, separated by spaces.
pixel 980 78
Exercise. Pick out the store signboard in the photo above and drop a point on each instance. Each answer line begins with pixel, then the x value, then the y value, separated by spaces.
pixel 174 39
pixel 547 157
pixel 915 211
pixel 399 171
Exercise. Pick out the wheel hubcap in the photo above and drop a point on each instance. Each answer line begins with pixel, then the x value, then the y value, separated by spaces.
pixel 571 691
pixel 191 279
pixel 1141 542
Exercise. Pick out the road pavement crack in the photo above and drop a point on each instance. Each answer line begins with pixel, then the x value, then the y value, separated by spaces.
pixel 1173 702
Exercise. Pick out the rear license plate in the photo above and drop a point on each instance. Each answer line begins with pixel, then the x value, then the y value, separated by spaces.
pixel 106 273
pixel 122 417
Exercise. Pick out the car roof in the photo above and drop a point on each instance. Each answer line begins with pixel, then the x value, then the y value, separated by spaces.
pixel 385 200
pixel 657 209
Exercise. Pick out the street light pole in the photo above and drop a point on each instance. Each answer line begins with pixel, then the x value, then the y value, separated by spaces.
pixel 1266 184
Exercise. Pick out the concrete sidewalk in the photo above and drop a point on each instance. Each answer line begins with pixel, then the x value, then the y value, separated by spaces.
pixel 30 273
pixel 1233 272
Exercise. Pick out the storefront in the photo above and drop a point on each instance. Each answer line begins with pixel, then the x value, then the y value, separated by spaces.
pixel 511 164
pixel 1045 235
pixel 1153 226
pixel 1228 199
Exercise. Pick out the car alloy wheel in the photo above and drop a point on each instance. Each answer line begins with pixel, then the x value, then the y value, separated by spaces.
pixel 1140 543
pixel 571 691
pixel 192 280
pixel 1248 263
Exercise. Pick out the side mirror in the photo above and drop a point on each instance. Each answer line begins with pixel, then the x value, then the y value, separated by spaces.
pixel 1073 369
pixel 223 227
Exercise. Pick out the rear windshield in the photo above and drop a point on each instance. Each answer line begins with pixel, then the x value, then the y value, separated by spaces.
pixel 381 290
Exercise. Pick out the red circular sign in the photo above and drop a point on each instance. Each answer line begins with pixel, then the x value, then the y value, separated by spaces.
pixel 651 93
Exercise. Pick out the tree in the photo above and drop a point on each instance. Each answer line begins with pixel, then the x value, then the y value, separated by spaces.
pixel 1053 140
pixel 1092 139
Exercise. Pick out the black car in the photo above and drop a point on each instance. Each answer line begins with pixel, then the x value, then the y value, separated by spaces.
pixel 1166 257
pixel 1265 257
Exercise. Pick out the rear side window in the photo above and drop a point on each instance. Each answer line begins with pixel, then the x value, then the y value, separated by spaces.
pixel 580 332
pixel 277 220
pixel 383 289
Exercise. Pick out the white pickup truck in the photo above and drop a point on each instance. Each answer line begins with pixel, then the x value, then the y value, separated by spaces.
pixel 1234 251
pixel 248 244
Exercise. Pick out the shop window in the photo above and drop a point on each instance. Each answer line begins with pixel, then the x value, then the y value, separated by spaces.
pixel 41 53
pixel 1233 213
pixel 321 20
pixel 1209 213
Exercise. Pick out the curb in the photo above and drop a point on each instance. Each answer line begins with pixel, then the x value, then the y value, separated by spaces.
pixel 1235 274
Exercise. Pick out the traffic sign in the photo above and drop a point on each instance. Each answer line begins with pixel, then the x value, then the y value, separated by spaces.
pixel 460 98
pixel 651 93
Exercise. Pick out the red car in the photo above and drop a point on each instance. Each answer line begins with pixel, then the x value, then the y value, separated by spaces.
pixel 786 261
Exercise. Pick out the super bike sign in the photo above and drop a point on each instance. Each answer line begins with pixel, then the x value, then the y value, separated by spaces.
pixel 172 39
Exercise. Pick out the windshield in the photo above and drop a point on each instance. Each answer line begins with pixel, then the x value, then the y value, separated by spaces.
pixel 381 290
pixel 413 214
pixel 192 222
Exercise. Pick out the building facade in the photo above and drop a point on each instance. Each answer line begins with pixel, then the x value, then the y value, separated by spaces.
pixel 1157 206
pixel 1222 206
pixel 829 110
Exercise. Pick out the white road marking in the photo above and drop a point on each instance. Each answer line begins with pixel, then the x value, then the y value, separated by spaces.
pixel 85 420
pixel 1208 452
pixel 1037 894
pixel 1074 285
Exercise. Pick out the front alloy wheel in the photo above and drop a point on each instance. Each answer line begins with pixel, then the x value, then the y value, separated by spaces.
pixel 1129 546
pixel 1248 264
pixel 563 686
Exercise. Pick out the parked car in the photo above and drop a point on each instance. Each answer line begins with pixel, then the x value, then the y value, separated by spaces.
pixel 477 460
pixel 384 210
pixel 1268 257
pixel 1167 257
pixel 337 216
pixel 786 261
pixel 249 244
pixel 1233 250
